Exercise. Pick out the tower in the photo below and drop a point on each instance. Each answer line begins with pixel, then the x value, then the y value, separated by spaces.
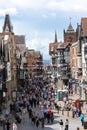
pixel 69 34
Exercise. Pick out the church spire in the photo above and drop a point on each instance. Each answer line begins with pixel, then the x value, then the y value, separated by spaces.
pixel 7 24
pixel 70 28
pixel 55 37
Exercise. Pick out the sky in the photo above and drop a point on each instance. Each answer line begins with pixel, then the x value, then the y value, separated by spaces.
pixel 38 20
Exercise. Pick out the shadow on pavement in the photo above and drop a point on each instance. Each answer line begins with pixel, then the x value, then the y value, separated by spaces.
pixel 48 128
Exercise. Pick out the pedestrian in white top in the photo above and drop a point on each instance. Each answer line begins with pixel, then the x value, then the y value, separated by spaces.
pixel 14 126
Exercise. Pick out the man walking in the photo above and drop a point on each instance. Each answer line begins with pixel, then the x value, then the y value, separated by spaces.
pixel 61 124
pixel 66 124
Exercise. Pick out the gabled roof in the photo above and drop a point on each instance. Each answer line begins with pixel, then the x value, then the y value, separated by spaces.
pixel 31 52
pixel 19 39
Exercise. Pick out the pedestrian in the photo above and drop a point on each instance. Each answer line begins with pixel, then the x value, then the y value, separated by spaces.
pixel 30 113
pixel 6 113
pixel 4 124
pixel 86 107
pixel 82 118
pixel 66 124
pixel 8 125
pixel 51 117
pixel 42 121
pixel 14 126
pixel 48 117
pixel 37 122
pixel 11 107
pixel 61 124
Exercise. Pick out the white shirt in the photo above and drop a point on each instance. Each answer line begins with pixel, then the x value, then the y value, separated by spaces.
pixel 14 126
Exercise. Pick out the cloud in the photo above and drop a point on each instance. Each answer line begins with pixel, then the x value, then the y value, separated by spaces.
pixel 11 11
pixel 41 45
pixel 68 5
pixel 49 15
pixel 65 5
pixel 30 3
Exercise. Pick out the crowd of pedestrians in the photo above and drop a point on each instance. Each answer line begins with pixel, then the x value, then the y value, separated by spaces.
pixel 37 95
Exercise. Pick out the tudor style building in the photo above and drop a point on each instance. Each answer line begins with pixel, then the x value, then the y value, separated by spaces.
pixel 35 62
pixel 13 61
pixel 60 52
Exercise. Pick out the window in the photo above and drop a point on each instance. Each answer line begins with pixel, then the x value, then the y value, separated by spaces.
pixel 61 52
pixel 61 61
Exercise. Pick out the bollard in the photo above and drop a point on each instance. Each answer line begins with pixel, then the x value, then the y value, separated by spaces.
pixel 62 112
pixel 58 111
pixel 68 113
pixel 73 114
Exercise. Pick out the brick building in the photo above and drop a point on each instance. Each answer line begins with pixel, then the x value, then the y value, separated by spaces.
pixel 69 35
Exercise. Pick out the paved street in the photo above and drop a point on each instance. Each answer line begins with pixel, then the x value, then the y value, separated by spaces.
pixel 27 125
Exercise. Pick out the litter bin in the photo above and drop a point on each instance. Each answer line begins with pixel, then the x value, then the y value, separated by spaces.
pixel 85 124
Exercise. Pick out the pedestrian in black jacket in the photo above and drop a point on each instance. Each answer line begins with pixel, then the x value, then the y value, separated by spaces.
pixel 8 125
